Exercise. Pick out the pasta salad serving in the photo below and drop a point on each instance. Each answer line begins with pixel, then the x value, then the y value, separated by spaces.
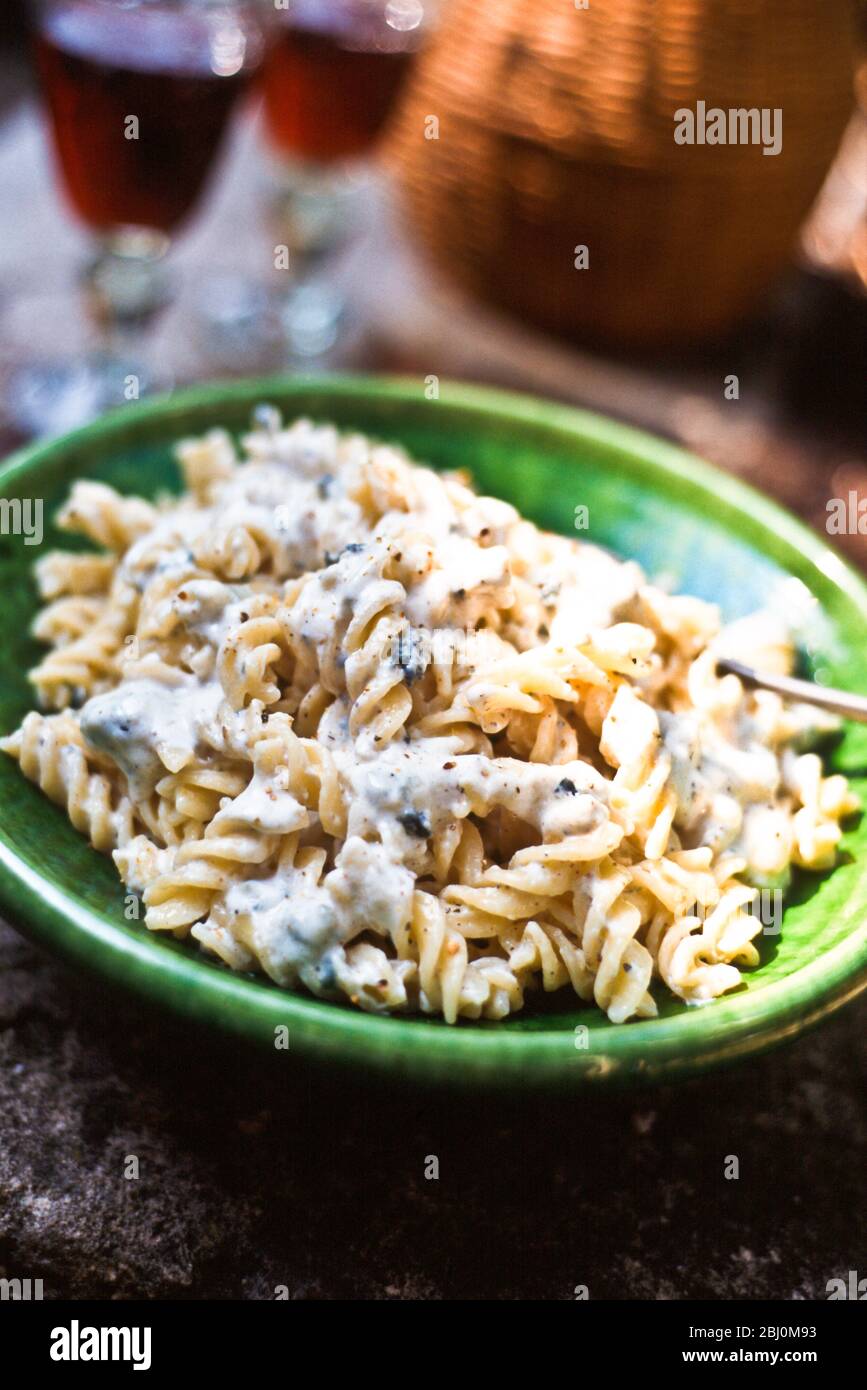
pixel 344 722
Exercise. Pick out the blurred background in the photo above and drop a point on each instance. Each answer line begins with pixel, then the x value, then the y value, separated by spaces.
pixel 488 189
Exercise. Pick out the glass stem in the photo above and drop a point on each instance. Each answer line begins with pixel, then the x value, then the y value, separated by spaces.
pixel 126 285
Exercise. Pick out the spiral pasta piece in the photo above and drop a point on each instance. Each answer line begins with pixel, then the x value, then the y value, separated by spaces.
pixel 247 656
pixel 104 516
pixel 50 753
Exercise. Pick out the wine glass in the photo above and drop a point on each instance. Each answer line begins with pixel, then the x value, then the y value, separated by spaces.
pixel 331 76
pixel 139 95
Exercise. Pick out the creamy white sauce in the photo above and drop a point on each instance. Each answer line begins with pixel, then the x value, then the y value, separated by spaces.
pixel 148 728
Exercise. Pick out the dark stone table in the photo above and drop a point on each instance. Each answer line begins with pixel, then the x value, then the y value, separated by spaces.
pixel 257 1173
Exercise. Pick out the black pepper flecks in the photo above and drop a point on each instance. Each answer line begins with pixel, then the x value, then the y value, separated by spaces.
pixel 416 823
pixel 410 657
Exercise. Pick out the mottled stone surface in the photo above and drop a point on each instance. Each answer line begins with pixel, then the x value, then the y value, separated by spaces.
pixel 256 1174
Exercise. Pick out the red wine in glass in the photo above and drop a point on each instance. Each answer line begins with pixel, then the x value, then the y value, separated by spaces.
pixel 333 72
pixel 140 93
pixel 140 98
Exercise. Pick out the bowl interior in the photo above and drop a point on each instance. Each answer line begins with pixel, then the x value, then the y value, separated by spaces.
pixel 699 530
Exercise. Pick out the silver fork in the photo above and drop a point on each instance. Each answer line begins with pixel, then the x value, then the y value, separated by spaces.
pixel 838 701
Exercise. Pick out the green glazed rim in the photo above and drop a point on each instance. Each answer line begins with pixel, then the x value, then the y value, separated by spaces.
pixel 531 1050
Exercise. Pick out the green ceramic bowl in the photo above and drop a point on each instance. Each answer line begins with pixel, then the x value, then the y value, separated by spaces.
pixel 711 535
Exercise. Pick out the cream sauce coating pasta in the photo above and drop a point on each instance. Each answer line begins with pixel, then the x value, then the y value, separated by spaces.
pixel 345 722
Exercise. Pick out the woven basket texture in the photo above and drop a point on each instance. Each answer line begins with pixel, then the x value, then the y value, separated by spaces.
pixel 556 130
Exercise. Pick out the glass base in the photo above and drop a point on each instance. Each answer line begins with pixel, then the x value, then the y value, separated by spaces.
pixel 313 317
pixel 266 328
pixel 59 370
pixel 48 398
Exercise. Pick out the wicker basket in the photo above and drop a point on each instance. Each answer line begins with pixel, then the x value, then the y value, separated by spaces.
pixel 556 129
